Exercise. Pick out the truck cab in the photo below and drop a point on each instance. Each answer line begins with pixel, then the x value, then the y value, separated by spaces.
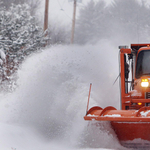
pixel 135 76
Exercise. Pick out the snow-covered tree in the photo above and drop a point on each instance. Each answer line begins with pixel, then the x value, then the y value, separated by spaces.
pixel 19 36
pixel 34 4
pixel 91 22
pixel 126 19
pixel 58 33
pixel 130 19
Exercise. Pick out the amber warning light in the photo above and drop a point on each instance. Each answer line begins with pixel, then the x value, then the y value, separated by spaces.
pixel 144 83
pixel 139 103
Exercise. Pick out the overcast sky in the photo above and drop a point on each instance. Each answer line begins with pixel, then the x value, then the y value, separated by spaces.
pixel 62 10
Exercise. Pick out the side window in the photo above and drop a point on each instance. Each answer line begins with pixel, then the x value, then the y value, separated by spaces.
pixel 139 69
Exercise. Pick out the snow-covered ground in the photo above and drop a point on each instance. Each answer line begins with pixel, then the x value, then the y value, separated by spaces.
pixel 46 110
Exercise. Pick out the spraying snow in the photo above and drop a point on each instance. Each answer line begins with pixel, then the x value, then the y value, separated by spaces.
pixel 46 110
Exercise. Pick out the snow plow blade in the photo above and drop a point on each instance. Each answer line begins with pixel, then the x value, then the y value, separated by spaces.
pixel 132 127
pixel 112 114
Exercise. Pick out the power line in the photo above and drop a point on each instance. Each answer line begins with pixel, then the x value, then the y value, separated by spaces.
pixel 60 4
pixel 61 8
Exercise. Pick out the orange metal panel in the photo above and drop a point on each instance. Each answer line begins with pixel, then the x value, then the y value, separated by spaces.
pixel 129 131
pixel 122 70
pixel 111 114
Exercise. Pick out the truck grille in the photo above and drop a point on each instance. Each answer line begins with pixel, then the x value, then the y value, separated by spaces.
pixel 147 95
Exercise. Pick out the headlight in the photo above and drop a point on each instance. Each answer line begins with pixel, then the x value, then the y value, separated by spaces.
pixel 144 83
pixel 139 103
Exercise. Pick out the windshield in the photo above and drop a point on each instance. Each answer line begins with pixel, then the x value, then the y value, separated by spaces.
pixel 143 64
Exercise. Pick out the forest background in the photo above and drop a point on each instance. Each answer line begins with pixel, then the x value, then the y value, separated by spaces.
pixel 21 30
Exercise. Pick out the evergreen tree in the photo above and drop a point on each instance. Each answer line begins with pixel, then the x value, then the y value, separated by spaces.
pixel 126 19
pixel 91 22
pixel 58 34
pixel 19 36
pixel 34 4
pixel 130 20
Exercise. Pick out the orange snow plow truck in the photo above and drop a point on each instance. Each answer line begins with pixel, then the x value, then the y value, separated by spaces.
pixel 132 123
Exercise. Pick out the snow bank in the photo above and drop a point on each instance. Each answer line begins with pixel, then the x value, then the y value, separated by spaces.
pixel 14 137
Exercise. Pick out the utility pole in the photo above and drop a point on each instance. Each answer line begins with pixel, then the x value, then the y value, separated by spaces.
pixel 46 15
pixel 73 21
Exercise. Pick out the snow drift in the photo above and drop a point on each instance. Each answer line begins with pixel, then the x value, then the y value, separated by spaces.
pixel 52 95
